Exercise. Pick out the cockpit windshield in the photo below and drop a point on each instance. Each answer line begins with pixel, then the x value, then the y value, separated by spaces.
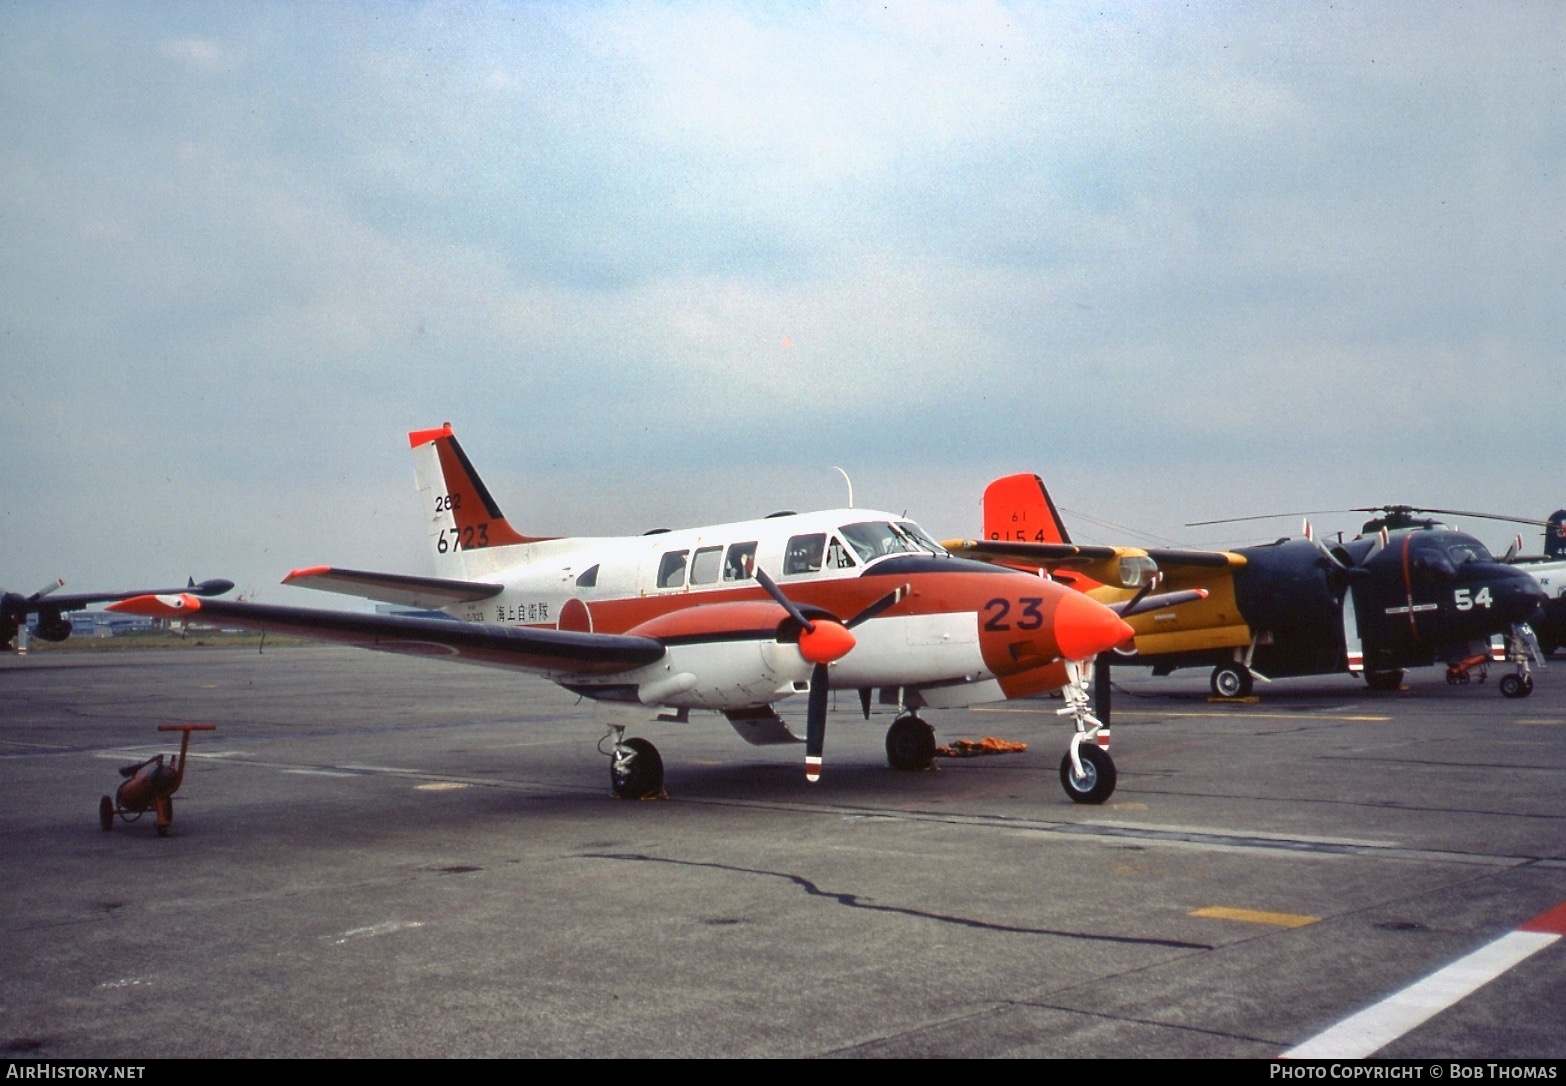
pixel 920 536
pixel 872 539
pixel 1468 550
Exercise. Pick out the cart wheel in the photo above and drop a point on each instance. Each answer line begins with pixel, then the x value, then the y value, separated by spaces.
pixel 106 813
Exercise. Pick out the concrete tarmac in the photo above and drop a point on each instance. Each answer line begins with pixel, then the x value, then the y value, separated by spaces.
pixel 376 856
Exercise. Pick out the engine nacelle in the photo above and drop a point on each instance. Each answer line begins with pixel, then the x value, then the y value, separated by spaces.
pixel 53 626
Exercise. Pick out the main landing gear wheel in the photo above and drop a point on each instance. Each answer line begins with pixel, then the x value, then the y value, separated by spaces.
pixel 1231 681
pixel 1516 686
pixel 106 813
pixel 636 770
pixel 1097 782
pixel 910 745
pixel 1388 680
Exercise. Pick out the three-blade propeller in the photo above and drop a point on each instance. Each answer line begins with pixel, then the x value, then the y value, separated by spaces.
pixel 822 641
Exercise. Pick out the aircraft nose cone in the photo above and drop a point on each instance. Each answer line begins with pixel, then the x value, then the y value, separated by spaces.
pixel 1084 627
pixel 829 641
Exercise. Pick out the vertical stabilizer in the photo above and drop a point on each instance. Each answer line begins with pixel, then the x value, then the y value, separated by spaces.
pixel 1555 535
pixel 1018 509
pixel 462 516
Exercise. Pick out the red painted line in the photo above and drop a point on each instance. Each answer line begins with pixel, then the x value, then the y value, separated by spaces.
pixel 1551 922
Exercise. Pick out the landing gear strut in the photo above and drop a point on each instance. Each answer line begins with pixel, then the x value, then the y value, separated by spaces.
pixel 635 766
pixel 910 745
pixel 1087 772
pixel 1521 646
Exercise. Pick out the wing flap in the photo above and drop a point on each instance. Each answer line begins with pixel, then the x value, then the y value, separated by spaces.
pixel 398 588
pixel 524 648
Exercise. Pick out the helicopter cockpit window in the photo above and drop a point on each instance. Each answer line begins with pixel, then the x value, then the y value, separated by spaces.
pixel 671 571
pixel 1468 551
pixel 874 538
pixel 803 554
pixel 588 578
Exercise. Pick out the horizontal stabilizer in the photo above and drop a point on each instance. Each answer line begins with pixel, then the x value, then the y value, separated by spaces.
pixel 398 588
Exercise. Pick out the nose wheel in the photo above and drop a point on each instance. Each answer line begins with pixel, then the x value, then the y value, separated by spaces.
pixel 1091 777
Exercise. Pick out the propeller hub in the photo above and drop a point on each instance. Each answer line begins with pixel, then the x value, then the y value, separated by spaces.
pixel 825 641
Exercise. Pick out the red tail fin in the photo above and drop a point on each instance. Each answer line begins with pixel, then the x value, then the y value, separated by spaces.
pixel 1018 509
pixel 463 515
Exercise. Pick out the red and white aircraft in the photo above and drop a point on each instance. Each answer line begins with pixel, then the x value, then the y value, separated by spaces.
pixel 732 618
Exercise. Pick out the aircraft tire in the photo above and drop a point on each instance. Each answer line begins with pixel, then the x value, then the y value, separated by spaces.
pixel 106 813
pixel 1097 782
pixel 1515 686
pixel 910 745
pixel 1231 681
pixel 638 775
pixel 1387 680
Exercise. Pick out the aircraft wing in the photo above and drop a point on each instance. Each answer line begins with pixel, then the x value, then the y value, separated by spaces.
pixel 1103 564
pixel 398 588
pixel 543 651
pixel 16 605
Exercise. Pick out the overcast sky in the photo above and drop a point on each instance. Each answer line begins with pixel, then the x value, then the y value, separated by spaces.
pixel 664 265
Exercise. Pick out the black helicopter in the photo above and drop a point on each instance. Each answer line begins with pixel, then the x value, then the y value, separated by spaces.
pixel 1409 591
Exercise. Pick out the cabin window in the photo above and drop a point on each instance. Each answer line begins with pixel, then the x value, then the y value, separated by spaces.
pixel 804 553
pixel 671 571
pixel 706 564
pixel 837 556
pixel 588 577
pixel 740 565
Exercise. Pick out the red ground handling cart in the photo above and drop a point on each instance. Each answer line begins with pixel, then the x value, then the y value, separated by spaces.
pixel 150 785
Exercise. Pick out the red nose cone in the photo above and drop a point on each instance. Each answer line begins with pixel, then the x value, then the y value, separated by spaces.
pixel 1084 627
pixel 829 641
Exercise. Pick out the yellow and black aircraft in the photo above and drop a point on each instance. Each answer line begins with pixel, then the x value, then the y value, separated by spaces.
pixel 1408 592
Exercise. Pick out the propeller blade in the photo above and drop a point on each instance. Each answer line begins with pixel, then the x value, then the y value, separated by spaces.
pixel 864 700
pixel 783 601
pixel 891 599
pixel 815 722
pixel 45 590
pixel 1512 551
pixel 1351 643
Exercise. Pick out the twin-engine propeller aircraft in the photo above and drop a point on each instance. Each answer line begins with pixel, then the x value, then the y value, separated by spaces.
pixel 1406 593
pixel 51 608
pixel 732 618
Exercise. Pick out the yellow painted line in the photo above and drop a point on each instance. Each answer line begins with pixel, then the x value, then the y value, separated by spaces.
pixel 1251 916
pixel 1541 723
pixel 1121 713
pixel 439 786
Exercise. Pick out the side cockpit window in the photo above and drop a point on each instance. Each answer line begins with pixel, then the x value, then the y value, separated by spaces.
pixel 671 570
pixel 740 565
pixel 588 577
pixel 837 556
pixel 803 554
